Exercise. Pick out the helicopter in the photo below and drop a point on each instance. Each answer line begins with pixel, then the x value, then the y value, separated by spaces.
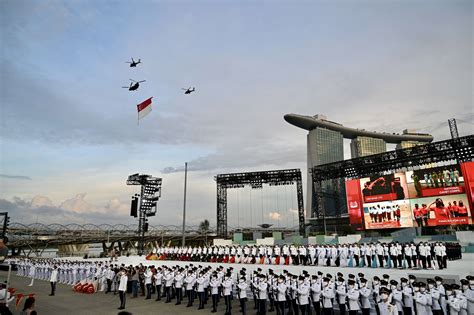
pixel 188 90
pixel 133 63
pixel 133 85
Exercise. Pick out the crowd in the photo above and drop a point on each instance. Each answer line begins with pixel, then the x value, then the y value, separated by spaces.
pixel 285 293
pixel 384 255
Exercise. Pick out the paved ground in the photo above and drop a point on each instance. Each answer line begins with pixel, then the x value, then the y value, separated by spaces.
pixel 66 302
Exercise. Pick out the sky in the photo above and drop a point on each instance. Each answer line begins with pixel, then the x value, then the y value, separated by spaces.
pixel 69 136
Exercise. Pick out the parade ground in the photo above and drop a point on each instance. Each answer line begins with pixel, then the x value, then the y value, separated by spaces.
pixel 66 301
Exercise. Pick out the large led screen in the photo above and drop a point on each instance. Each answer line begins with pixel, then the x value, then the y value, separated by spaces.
pixel 428 197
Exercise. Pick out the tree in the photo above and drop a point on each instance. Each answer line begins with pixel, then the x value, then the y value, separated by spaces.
pixel 204 228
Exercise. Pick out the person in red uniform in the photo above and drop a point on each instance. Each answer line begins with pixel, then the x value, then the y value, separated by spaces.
pixel 417 215
pixel 455 209
pixel 441 212
pixel 424 214
pixel 462 209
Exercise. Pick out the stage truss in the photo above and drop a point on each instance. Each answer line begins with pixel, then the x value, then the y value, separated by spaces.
pixel 460 149
pixel 256 180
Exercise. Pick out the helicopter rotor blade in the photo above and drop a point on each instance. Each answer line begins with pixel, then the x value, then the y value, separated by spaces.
pixel 132 80
pixel 141 81
pixel 125 87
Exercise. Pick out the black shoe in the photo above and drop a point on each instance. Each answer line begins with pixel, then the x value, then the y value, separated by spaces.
pixel 200 307
pixel 121 308
pixel 51 295
pixel 147 298
pixel 157 299
pixel 213 311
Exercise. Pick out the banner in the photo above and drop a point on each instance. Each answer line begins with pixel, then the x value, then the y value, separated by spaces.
pixel 354 206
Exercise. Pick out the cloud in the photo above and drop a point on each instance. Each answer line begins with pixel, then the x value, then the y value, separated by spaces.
pixel 15 177
pixel 274 216
pixel 75 210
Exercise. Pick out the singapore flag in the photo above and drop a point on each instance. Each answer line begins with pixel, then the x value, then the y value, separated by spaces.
pixel 144 108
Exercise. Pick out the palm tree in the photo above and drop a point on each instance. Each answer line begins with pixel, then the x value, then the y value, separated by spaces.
pixel 204 228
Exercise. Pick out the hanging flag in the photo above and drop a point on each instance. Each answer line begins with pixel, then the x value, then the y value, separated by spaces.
pixel 144 108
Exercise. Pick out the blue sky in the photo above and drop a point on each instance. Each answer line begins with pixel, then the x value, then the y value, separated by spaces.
pixel 67 124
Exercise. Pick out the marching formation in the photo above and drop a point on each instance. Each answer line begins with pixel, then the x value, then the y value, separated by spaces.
pixel 384 255
pixel 285 293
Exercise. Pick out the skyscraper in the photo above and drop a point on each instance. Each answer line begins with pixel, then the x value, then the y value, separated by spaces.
pixel 324 146
pixel 363 146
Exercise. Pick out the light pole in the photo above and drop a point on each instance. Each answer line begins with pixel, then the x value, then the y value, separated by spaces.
pixel 184 203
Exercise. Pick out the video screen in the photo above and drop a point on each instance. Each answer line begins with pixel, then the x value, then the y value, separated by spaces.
pixel 429 197
pixel 384 188
pixel 441 210
pixel 437 181
pixel 388 215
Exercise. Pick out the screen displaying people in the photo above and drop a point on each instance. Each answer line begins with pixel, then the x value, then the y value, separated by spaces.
pixel 384 187
pixel 441 210
pixel 388 214
pixel 444 180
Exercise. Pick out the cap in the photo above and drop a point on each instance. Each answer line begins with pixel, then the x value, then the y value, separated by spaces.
pixel 386 276
pixel 393 282
pixel 350 282
pixel 351 276
pixel 438 278
pixel 411 277
pixel 403 279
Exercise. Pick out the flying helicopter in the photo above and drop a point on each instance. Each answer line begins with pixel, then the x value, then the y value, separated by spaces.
pixel 189 90
pixel 133 85
pixel 133 63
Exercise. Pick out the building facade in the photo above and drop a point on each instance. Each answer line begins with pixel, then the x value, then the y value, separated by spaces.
pixel 363 146
pixel 324 146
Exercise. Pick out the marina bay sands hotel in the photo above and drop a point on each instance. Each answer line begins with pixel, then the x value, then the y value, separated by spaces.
pixel 325 145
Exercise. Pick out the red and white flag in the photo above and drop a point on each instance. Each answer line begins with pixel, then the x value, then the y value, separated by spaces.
pixel 144 108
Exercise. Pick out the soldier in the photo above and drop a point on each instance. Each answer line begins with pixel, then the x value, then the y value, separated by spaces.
pixel 227 290
pixel 341 293
pixel 214 284
pixel 407 292
pixel 419 299
pixel 364 296
pixel 328 296
pixel 453 303
pixel 385 307
pixel 468 289
pixel 435 297
pixel 262 295
pixel 353 297
pixel 316 292
pixel 242 293
pixel 397 296
pixel 178 284
pixel 280 289
pixel 303 295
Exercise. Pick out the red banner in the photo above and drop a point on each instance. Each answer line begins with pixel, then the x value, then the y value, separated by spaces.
pixel 429 192
pixel 354 204
pixel 468 174
pixel 383 197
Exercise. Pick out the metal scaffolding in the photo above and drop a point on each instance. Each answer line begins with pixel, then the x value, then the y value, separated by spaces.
pixel 256 180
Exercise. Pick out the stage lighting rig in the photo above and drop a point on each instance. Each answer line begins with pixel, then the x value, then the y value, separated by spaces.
pixel 144 204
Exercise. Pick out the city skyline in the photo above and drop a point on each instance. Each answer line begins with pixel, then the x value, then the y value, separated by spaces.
pixel 69 136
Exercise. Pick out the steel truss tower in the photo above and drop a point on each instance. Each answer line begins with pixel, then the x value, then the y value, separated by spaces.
pixel 256 181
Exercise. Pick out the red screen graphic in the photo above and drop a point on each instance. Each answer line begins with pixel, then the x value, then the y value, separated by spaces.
pixel 468 171
pixel 354 204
